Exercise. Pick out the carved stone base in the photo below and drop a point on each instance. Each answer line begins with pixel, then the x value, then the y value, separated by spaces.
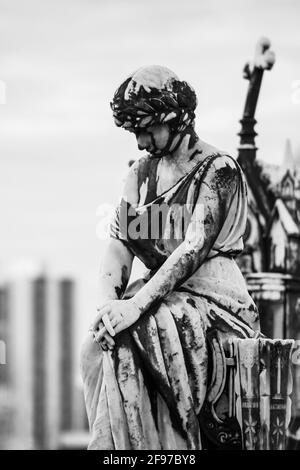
pixel 263 386
pixel 248 403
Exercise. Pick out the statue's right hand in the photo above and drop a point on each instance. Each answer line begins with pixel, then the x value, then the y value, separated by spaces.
pixel 106 341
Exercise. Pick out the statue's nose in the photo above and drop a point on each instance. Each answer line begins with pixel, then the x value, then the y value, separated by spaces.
pixel 143 141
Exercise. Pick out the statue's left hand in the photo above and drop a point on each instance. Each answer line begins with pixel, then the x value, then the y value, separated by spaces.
pixel 116 315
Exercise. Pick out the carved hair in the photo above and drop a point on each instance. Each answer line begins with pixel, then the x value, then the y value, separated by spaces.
pixel 154 95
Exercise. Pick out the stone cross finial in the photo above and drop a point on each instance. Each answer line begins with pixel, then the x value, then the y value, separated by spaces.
pixel 264 58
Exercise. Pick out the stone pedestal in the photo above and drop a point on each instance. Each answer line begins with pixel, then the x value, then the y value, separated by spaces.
pixel 277 297
pixel 263 385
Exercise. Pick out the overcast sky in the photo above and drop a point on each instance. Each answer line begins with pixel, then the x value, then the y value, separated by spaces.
pixel 61 60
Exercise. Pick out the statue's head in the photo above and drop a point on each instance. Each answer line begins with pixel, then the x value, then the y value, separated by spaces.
pixel 158 107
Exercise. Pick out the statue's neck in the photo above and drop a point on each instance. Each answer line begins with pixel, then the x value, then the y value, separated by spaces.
pixel 183 151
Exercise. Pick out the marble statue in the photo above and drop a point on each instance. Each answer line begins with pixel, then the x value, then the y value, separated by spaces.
pixel 183 211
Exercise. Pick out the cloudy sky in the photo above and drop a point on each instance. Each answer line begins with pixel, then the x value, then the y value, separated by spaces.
pixel 61 156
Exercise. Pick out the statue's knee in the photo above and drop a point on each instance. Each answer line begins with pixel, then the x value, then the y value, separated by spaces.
pixel 89 353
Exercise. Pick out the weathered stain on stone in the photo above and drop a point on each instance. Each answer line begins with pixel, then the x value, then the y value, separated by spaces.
pixel 191 302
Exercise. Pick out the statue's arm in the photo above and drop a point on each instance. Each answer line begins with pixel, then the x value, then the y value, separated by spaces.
pixel 114 272
pixel 116 265
pixel 205 225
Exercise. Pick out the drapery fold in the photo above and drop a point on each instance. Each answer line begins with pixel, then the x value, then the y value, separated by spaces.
pixel 154 383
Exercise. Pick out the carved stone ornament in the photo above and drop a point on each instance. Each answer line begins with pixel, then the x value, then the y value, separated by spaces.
pixel 263 386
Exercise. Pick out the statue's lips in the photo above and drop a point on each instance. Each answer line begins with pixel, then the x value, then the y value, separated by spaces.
pixel 154 153
pixel 157 153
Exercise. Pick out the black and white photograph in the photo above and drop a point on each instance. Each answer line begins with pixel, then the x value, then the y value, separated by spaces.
pixel 150 228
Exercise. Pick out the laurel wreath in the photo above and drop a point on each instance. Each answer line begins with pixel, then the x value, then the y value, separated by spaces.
pixel 146 109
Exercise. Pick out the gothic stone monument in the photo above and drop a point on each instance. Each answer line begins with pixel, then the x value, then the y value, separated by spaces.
pixel 271 259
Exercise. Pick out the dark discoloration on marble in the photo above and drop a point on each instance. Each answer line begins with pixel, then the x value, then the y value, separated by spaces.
pixel 197 152
pixel 191 302
pixel 120 289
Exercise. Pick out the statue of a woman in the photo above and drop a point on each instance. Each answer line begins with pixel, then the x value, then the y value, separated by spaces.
pixel 183 213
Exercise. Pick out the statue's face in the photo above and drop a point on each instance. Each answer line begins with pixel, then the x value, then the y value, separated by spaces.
pixel 154 139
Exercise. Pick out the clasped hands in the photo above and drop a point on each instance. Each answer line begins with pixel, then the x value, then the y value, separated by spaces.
pixel 113 317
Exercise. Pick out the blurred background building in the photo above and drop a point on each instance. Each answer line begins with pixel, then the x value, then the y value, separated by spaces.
pixel 42 404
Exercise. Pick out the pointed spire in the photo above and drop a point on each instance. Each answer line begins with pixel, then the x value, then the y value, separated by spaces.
pixel 288 162
pixel 297 156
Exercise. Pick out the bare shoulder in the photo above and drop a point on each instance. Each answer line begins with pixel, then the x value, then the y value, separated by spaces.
pixel 224 160
pixel 224 173
pixel 131 186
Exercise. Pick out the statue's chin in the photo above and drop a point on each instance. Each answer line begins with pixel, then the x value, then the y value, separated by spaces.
pixel 159 153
